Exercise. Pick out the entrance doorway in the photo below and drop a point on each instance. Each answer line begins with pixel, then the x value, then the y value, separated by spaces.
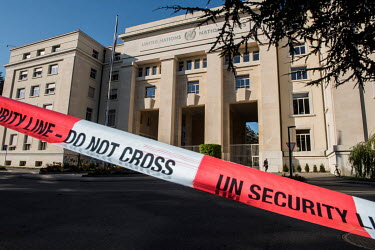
pixel 148 124
pixel 192 128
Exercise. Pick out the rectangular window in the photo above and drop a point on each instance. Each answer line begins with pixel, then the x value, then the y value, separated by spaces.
pixel 237 58
pixel 113 94
pixel 56 48
pixel 23 75
pixel 150 92
pixel 53 69
pixel 34 91
pixel 13 140
pixel 204 62
pixel 117 56
pixel 243 82
pixel 299 73
pixel 154 70
pixel 22 163
pixel 181 66
pixel 38 72
pixel 256 56
pixel 197 64
pixel 42 145
pixel 246 57
pixel 27 142
pixel 8 163
pixel 140 72
pixel 188 65
pixel 41 52
pixel 147 73
pixel 115 76
pixel 38 163
pixel 89 114
pixel 303 139
pixel 26 56
pixel 111 117
pixel 93 73
pixel 298 49
pixel 20 93
pixel 48 106
pixel 95 54
pixel 301 104
pixel 193 87
pixel 91 92
pixel 50 88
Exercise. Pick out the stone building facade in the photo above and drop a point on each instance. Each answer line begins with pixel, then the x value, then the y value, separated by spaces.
pixel 167 85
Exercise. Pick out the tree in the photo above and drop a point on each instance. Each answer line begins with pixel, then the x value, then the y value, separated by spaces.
pixel 345 28
pixel 1 83
pixel 251 136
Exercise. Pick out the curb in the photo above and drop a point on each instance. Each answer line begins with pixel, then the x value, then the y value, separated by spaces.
pixel 78 177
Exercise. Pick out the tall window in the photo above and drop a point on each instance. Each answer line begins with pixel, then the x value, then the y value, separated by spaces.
pixel 41 52
pixel 113 94
pixel 53 69
pixel 193 87
pixel 23 75
pixel 115 76
pixel 89 114
pixel 34 91
pixel 117 56
pixel 27 140
pixel 301 104
pixel 246 57
pixel 256 56
pixel 42 145
pixel 154 70
pixel 140 72
pixel 197 64
pixel 56 48
pixel 50 88
pixel 237 58
pixel 91 92
pixel 38 72
pixel 181 66
pixel 188 65
pixel 20 93
pixel 93 73
pixel 243 82
pixel 298 49
pixel 150 92
pixel 303 139
pixel 204 62
pixel 147 73
pixel 13 140
pixel 299 73
pixel 111 117
pixel 95 54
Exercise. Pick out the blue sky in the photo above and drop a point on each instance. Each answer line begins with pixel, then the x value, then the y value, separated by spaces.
pixel 27 21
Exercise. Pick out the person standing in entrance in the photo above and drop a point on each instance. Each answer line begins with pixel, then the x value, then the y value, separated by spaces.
pixel 265 164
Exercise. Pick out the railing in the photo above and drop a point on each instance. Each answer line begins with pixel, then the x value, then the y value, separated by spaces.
pixel 194 148
pixel 245 154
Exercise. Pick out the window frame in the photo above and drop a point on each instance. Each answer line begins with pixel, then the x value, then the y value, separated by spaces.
pixel 303 140
pixel 52 68
pixel 241 82
pixel 256 55
pixel 192 87
pixel 297 49
pixel 91 92
pixel 93 73
pixel 18 92
pixel 115 75
pixel 56 48
pixel 299 73
pixel 40 52
pixel 89 113
pixel 32 90
pixel 26 56
pixel 299 102
pixel 111 95
pixel 111 116
pixel 38 72
pixel 49 88
pixel 23 75
pixel 45 106
pixel 95 54
pixel 152 89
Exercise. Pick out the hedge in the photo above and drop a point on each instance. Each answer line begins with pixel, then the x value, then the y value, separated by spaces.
pixel 213 150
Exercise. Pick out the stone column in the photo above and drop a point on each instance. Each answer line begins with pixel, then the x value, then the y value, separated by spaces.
pixel 167 107
pixel 130 73
pixel 213 127
pixel 269 110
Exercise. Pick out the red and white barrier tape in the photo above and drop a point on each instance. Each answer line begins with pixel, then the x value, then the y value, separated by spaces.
pixel 233 181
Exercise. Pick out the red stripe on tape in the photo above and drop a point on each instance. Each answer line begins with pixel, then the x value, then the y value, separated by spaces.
pixel 278 194
pixel 46 125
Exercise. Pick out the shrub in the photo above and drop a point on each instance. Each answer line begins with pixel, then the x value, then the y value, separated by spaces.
pixel 299 169
pixel 315 169
pixel 322 168
pixel 213 150
pixel 362 157
pixel 307 168
pixel 285 168
pixel 296 177
pixel 51 169
pixel 2 168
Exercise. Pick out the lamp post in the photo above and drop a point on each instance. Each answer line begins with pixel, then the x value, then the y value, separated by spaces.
pixel 290 151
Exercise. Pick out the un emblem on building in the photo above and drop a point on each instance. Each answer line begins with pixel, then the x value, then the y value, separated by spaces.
pixel 190 35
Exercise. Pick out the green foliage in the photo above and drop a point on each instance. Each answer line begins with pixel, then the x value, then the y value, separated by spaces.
pixel 315 169
pixel 213 150
pixel 307 168
pixel 299 169
pixel 2 168
pixel 322 169
pixel 251 136
pixel 54 168
pixel 285 168
pixel 362 157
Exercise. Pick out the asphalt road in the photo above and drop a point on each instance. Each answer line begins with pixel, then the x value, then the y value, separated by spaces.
pixel 146 213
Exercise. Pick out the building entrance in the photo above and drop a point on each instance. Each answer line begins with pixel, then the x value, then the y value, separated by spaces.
pixel 244 138
pixel 148 124
pixel 192 128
